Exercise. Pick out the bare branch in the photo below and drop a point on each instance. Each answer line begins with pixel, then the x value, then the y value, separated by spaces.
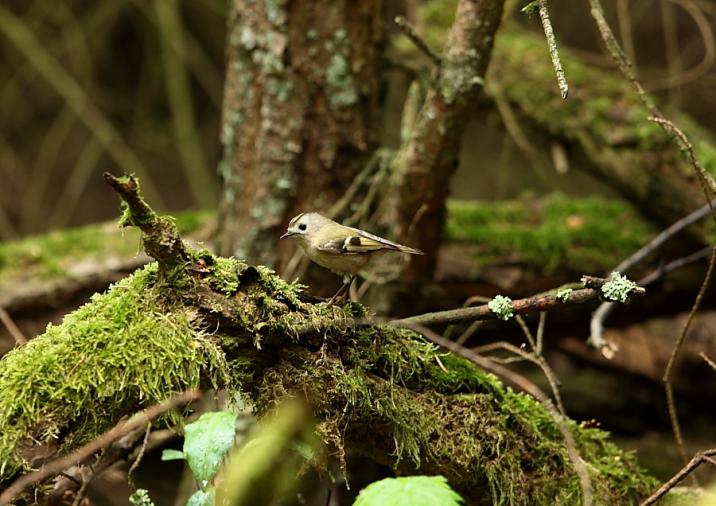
pixel 119 430
pixel 696 461
pixel 416 39
pixel 543 302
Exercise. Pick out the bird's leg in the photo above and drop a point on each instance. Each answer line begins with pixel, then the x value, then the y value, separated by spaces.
pixel 347 280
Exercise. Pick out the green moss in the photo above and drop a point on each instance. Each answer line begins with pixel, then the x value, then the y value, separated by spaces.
pixel 583 235
pixel 63 252
pixel 422 409
pixel 505 445
pixel 123 350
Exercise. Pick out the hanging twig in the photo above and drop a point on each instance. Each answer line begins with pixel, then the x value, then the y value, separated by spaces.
pixel 142 449
pixel 671 404
pixel 552 45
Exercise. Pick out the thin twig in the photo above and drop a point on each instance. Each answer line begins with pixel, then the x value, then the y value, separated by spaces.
pixel 710 362
pixel 81 491
pixel 698 459
pixel 540 332
pixel 596 325
pixel 471 329
pixel 523 384
pixel 704 176
pixel 538 360
pixel 526 331
pixel 552 45
pixel 13 329
pixel 105 439
pixel 416 39
pixel 142 449
pixel 675 353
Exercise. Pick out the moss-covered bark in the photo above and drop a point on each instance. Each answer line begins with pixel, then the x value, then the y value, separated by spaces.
pixel 378 390
pixel 300 114
pixel 605 120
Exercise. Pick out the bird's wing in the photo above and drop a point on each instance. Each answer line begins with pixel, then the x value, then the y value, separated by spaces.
pixel 363 242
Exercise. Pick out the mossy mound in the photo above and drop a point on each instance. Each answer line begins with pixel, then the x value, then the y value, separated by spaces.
pixel 378 390
pixel 388 394
pixel 125 349
pixel 584 235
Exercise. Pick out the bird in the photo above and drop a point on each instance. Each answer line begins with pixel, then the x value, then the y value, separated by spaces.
pixel 344 250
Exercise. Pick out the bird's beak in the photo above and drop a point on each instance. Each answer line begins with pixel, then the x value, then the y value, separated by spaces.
pixel 287 234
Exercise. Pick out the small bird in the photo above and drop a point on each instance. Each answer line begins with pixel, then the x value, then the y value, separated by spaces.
pixel 344 250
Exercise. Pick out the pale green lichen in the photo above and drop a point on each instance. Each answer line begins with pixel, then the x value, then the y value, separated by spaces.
pixel 339 82
pixel 618 288
pixel 563 294
pixel 502 307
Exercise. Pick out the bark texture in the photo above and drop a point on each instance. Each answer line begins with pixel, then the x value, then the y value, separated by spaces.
pixel 429 158
pixel 300 114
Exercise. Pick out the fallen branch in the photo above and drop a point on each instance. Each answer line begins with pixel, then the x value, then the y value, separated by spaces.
pixel 544 302
pixel 376 390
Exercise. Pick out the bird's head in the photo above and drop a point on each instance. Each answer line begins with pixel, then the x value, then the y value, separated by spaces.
pixel 304 224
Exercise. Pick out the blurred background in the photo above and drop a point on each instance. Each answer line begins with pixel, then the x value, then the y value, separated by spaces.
pixel 134 85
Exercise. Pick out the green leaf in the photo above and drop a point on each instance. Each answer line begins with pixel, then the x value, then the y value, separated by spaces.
pixel 409 491
pixel 171 454
pixel 202 498
pixel 206 442
pixel 304 449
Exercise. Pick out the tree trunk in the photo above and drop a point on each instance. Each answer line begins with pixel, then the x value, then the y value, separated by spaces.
pixel 429 158
pixel 300 114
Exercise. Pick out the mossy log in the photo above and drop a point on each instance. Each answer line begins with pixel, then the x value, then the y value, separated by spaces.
pixel 377 390
pixel 604 120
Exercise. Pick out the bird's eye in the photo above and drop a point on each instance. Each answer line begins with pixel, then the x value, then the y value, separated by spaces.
pixel 302 226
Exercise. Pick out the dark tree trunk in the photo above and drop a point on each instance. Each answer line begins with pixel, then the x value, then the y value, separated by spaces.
pixel 300 114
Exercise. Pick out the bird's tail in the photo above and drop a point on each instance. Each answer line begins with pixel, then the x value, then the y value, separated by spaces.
pixel 412 251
